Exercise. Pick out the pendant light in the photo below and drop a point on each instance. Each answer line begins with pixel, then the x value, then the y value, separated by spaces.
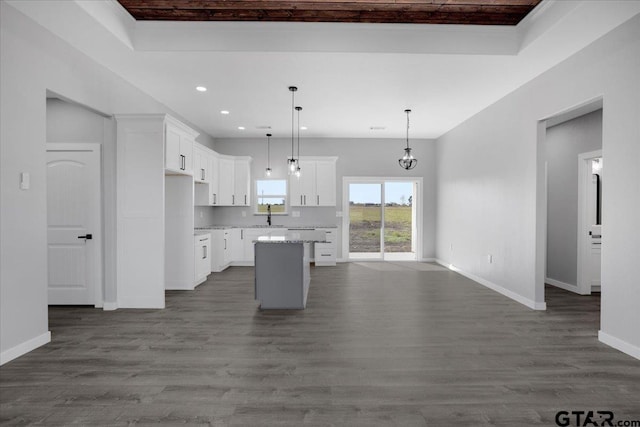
pixel 298 109
pixel 292 164
pixel 407 161
pixel 267 171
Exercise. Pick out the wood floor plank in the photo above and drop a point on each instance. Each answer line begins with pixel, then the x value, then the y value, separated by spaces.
pixel 401 346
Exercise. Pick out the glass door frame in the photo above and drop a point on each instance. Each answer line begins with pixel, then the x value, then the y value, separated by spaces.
pixel 416 232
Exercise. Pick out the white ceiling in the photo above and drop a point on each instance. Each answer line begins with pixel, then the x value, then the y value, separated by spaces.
pixel 350 76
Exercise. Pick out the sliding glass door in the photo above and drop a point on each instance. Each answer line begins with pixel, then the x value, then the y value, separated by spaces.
pixel 365 220
pixel 381 219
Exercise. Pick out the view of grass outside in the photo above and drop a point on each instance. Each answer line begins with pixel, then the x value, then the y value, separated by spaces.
pixel 364 232
pixel 271 192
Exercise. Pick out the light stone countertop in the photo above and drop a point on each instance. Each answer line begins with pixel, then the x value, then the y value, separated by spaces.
pixel 270 227
pixel 301 236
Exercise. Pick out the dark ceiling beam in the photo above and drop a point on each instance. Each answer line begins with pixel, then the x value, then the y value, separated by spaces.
pixel 479 12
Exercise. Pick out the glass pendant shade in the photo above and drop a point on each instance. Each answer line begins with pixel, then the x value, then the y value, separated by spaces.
pixel 407 161
pixel 267 171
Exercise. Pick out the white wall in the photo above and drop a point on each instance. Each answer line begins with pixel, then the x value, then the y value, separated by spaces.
pixel 356 157
pixel 564 142
pixel 488 198
pixel 32 62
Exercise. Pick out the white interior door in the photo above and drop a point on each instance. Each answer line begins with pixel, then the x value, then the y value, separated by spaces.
pixel 74 224
pixel 589 222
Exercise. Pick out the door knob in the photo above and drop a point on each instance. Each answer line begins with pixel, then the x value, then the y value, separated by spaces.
pixel 86 237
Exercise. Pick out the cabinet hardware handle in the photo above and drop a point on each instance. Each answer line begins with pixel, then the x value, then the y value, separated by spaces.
pixel 325 254
pixel 318 196
pixel 86 237
pixel 204 252
pixel 225 244
pixel 241 234
pixel 301 199
pixel 245 199
pixel 182 162
pixel 233 199
pixel 202 174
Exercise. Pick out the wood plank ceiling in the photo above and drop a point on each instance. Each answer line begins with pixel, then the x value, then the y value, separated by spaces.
pixel 466 12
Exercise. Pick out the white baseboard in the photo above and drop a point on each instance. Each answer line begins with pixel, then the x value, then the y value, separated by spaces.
pixel 504 291
pixel 428 260
pixel 561 285
pixel 110 306
pixel 141 302
pixel 618 344
pixel 24 348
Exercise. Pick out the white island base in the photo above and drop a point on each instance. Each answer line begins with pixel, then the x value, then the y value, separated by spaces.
pixel 282 275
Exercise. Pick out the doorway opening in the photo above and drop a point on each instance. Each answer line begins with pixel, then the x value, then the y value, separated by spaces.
pixel 381 219
pixel 570 200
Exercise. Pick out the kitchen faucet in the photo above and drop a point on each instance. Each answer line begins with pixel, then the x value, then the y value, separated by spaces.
pixel 269 214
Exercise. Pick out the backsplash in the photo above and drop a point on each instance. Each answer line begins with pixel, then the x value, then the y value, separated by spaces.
pixel 219 215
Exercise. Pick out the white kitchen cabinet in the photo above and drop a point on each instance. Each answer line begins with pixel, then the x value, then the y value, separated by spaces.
pixel 179 140
pixel 242 181
pixel 154 209
pixel 202 257
pixel 214 182
pixel 226 181
pixel 220 249
pixel 325 253
pixel 201 164
pixel 325 182
pixel 237 245
pixel 316 185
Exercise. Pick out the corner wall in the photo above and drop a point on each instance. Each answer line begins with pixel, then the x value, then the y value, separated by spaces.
pixel 32 62
pixel 487 181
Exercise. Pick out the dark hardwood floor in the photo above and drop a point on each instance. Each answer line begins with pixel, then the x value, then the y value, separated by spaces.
pixel 402 347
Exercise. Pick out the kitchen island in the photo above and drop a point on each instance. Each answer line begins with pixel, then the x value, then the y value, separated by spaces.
pixel 282 268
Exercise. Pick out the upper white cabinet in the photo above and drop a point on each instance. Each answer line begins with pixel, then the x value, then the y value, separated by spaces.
pixel 221 180
pixel 179 141
pixel 316 185
pixel 201 164
pixel 242 181
pixel 226 176
pixel 214 183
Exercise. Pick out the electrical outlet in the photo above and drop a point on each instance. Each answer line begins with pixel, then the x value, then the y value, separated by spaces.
pixel 295 214
pixel 201 214
pixel 244 214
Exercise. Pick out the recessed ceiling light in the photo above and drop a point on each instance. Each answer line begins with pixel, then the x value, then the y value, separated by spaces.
pixel 225 112
pixel 240 127
pixel 303 128
pixel 201 88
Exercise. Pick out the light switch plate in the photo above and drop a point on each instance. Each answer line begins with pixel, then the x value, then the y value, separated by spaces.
pixel 295 214
pixel 25 181
pixel 244 214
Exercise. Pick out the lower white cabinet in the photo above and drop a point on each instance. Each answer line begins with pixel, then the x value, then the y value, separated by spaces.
pixel 325 253
pixel 202 257
pixel 220 249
